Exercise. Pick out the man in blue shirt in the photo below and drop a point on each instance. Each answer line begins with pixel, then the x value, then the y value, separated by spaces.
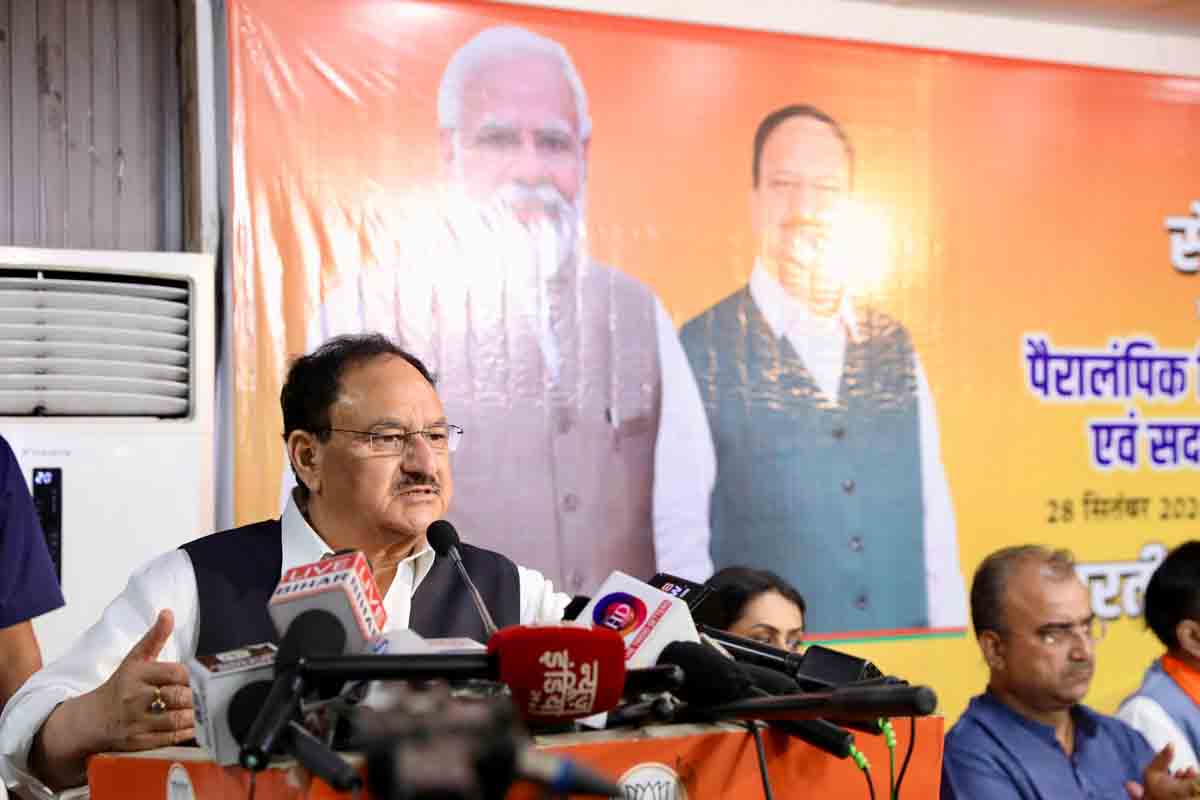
pixel 1029 736
pixel 28 586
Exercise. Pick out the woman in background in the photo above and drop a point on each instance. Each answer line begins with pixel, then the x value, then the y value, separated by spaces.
pixel 760 605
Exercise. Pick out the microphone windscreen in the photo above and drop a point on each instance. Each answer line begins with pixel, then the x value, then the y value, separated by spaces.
pixel 315 632
pixel 560 673
pixel 441 536
pixel 709 678
pixel 244 706
pixel 822 667
pixel 771 681
pixel 886 701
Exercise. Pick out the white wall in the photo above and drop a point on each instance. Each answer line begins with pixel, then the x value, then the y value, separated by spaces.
pixel 938 30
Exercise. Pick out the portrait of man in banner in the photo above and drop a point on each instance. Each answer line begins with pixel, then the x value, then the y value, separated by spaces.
pixel 586 447
pixel 828 464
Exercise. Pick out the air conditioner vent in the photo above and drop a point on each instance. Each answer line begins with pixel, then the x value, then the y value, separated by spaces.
pixel 77 344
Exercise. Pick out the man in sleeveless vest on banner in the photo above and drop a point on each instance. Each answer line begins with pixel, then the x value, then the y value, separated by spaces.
pixel 370 443
pixel 828 467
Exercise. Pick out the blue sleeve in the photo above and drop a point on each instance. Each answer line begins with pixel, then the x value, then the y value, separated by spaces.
pixel 967 775
pixel 28 585
pixel 1141 751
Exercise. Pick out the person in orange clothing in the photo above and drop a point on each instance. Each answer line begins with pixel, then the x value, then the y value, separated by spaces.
pixel 1166 708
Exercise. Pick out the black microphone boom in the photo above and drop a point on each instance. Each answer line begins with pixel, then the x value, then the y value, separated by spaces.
pixel 851 702
pixel 714 682
pixel 818 668
pixel 310 751
pixel 443 538
pixel 313 632
pixel 821 734
pixel 432 745
pixel 410 667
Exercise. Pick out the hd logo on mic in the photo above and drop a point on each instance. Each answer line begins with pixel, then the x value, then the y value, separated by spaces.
pixel 620 611
pixel 647 619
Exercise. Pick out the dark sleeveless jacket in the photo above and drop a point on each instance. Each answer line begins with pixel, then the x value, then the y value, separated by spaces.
pixel 236 572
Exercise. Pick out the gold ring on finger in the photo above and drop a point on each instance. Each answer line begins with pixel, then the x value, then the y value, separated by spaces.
pixel 158 705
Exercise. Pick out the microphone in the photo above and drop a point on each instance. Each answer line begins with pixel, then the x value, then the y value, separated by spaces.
pixel 215 681
pixel 818 668
pixel 709 677
pixel 341 585
pixel 716 681
pixel 295 740
pixel 443 538
pixel 433 745
pixel 850 702
pixel 561 776
pixel 821 734
pixel 560 673
pixel 660 709
pixel 575 607
pixel 555 673
pixel 652 680
pixel 315 632
pixel 647 619
pixel 702 600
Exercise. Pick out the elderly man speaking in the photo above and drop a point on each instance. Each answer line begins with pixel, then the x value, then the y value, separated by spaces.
pixel 370 443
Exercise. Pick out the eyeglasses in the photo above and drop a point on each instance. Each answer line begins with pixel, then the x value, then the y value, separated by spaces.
pixel 1060 634
pixel 440 438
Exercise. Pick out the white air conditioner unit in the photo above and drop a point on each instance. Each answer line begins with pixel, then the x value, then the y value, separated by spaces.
pixel 106 396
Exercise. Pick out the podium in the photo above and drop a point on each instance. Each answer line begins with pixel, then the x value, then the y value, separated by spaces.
pixel 670 762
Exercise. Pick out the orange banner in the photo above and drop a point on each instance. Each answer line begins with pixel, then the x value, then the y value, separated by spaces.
pixel 944 305
pixel 678 761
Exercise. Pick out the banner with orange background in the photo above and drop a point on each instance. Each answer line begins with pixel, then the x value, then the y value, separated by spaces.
pixel 1024 222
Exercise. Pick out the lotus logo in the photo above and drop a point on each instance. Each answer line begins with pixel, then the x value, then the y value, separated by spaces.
pixel 652 781
pixel 179 784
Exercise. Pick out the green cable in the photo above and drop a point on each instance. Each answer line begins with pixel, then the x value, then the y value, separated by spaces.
pixel 861 760
pixel 889 736
pixel 858 758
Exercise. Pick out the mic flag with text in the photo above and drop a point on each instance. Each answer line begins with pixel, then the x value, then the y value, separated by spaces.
pixel 560 672
pixel 646 618
pixel 341 585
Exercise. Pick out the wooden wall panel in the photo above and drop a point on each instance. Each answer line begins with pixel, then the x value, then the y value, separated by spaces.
pixel 90 124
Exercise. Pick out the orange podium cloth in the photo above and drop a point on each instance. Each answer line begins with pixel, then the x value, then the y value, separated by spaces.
pixel 712 761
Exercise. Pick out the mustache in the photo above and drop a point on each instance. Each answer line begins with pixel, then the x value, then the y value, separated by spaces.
pixel 411 480
pixel 807 223
pixel 545 194
pixel 1080 669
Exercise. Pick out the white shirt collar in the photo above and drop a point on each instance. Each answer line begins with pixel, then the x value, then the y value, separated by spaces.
pixel 303 545
pixel 782 311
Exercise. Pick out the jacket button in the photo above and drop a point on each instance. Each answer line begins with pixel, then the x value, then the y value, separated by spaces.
pixel 856 544
pixel 848 486
pixel 860 602
pixel 839 432
pixel 570 502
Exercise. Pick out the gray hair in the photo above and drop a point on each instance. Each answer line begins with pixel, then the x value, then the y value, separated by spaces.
pixel 489 45
pixel 991 580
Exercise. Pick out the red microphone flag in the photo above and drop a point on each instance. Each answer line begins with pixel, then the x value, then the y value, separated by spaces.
pixel 560 673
